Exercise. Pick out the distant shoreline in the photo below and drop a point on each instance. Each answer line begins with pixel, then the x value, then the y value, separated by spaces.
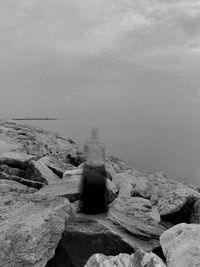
pixel 34 119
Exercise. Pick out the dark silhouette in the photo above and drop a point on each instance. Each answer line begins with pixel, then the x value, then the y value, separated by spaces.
pixel 93 186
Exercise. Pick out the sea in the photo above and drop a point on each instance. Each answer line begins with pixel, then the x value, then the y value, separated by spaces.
pixel 173 148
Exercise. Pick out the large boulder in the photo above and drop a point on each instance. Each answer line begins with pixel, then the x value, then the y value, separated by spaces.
pixel 30 228
pixel 109 233
pixel 15 159
pixel 86 235
pixel 136 216
pixel 135 208
pixel 174 200
pixel 181 245
pixel 138 259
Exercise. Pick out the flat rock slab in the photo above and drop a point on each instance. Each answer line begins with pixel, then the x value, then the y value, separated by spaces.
pixel 136 208
pixel 70 189
pixel 15 159
pixel 39 172
pixel 30 228
pixel 139 219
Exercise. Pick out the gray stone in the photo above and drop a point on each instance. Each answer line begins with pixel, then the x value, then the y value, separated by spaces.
pixel 39 172
pixel 56 165
pixel 15 159
pixel 138 259
pixel 70 188
pixel 30 229
pixel 17 187
pixel 181 245
pixel 195 215
pixel 4 188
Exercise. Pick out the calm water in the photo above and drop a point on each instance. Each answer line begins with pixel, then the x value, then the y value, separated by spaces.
pixel 148 145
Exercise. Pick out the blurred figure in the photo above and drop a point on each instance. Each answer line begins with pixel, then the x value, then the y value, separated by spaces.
pixel 93 187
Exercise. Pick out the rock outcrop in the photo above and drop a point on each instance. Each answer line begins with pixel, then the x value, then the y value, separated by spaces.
pixel 172 195
pixel 138 259
pixel 181 245
pixel 30 228
pixel 40 172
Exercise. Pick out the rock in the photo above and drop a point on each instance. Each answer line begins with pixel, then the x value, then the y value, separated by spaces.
pixel 174 200
pixel 70 188
pixel 21 180
pixel 136 208
pixel 70 174
pixel 111 174
pixel 56 165
pixel 139 219
pixel 109 233
pixel 12 171
pixel 195 216
pixel 181 245
pixel 15 159
pixel 30 229
pixel 176 206
pixel 119 166
pixel 100 260
pixel 130 185
pixel 17 187
pixel 144 259
pixel 38 171
pixel 6 145
pixel 138 259
pixel 86 235
pixel 4 188
pixel 36 141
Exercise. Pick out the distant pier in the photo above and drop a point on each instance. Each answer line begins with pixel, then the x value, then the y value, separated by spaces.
pixel 34 119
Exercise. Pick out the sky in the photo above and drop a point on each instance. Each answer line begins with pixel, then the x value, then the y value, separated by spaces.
pixel 131 67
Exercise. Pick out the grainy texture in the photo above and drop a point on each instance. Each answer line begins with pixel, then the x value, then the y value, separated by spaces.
pixel 30 228
pixel 181 245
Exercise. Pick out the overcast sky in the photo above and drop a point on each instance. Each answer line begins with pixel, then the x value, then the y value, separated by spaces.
pixel 132 67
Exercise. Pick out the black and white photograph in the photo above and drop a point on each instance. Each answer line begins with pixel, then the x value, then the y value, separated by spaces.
pixel 100 133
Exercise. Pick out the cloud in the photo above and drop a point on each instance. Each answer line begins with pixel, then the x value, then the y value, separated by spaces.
pixel 139 31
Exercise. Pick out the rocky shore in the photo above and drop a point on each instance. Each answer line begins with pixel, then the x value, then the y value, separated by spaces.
pixel 153 221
